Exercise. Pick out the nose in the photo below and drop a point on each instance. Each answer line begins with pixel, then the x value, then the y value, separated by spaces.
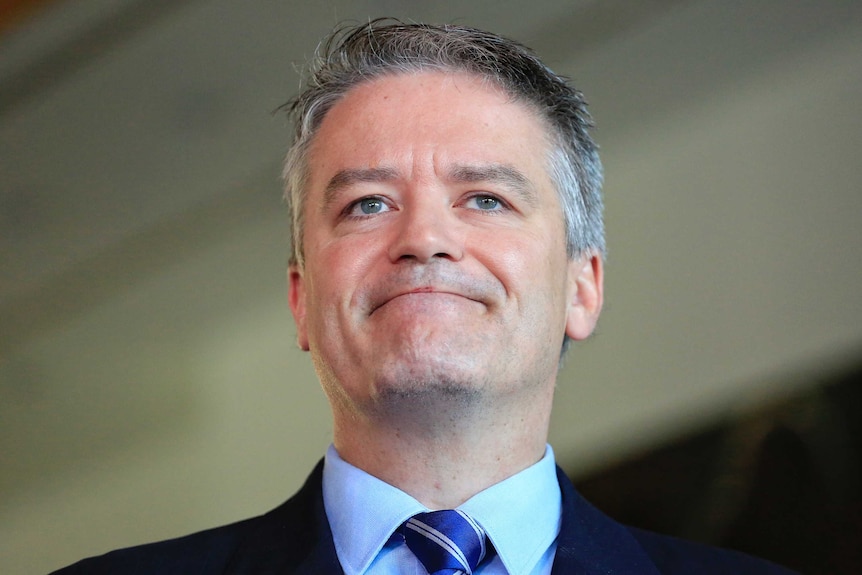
pixel 425 233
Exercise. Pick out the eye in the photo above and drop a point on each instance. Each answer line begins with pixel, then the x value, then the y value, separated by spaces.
pixel 367 207
pixel 486 203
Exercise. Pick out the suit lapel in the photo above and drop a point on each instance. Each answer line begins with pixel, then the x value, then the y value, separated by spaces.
pixel 591 543
pixel 293 538
pixel 296 538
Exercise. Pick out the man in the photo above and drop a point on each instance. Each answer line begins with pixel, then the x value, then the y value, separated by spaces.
pixel 447 244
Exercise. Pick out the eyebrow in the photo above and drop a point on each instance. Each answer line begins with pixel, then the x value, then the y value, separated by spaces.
pixel 346 178
pixel 502 174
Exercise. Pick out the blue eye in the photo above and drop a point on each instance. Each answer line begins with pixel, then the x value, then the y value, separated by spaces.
pixel 369 206
pixel 486 203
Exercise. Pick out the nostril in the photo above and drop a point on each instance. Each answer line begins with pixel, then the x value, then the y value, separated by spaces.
pixel 423 236
pixel 415 257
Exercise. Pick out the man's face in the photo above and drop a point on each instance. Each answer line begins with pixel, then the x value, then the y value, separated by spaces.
pixel 434 245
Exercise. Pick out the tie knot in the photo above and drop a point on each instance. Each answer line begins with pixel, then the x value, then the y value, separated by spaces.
pixel 446 542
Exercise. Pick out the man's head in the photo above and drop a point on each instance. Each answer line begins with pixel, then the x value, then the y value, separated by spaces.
pixel 353 56
pixel 435 260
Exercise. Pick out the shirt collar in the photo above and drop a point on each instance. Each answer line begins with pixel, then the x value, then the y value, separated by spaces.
pixel 363 511
pixel 521 514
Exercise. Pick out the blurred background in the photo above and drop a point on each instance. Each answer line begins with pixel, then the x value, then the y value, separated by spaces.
pixel 149 381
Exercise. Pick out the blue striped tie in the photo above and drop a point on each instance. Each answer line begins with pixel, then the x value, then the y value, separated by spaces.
pixel 446 542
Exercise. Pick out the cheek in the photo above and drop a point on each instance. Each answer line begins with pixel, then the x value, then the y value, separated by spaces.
pixel 533 272
pixel 525 263
pixel 336 273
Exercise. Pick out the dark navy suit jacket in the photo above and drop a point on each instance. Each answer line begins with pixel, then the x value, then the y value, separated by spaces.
pixel 295 538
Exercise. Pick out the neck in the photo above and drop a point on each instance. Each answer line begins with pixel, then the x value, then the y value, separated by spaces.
pixel 444 461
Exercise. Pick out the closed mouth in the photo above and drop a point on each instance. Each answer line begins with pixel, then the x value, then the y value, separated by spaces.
pixel 420 291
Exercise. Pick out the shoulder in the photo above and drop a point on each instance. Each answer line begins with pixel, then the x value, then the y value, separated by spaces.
pixel 188 554
pixel 263 539
pixel 589 537
pixel 672 555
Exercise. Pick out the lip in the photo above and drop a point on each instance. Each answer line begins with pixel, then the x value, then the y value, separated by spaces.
pixel 424 290
pixel 428 280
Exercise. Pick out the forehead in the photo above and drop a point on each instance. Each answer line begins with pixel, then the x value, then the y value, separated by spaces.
pixel 426 120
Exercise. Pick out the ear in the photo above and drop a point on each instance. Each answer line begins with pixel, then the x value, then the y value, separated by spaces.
pixel 296 298
pixel 586 291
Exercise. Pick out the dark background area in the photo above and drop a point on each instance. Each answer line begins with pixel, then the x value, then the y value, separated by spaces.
pixel 783 482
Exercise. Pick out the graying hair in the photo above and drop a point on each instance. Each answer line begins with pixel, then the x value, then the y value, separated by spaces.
pixel 355 55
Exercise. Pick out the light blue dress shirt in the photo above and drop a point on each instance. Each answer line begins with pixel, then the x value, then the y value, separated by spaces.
pixel 521 516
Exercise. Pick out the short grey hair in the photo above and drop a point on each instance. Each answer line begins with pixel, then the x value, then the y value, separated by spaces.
pixel 354 55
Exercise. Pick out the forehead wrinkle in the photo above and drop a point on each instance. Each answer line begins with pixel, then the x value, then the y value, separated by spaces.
pixel 348 177
pixel 502 174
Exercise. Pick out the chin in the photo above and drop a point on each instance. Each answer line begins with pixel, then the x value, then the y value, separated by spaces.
pixel 445 382
pixel 429 404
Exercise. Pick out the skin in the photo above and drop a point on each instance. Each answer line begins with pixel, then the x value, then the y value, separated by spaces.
pixel 436 289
